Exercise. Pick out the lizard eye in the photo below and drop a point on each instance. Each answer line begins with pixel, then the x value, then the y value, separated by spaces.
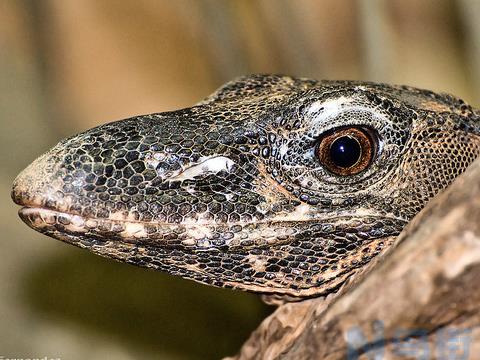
pixel 346 151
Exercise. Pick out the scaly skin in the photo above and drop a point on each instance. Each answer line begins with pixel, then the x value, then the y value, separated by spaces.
pixel 231 192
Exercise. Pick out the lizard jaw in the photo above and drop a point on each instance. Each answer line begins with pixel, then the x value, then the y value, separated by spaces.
pixel 93 234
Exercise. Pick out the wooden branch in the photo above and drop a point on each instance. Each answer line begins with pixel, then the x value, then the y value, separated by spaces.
pixel 422 298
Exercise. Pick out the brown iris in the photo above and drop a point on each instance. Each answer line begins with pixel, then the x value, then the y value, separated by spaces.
pixel 346 151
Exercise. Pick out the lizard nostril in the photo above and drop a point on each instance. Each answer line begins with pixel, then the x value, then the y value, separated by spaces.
pixel 346 151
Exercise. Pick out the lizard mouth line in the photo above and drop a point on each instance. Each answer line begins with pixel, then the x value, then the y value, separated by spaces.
pixel 202 236
pixel 43 212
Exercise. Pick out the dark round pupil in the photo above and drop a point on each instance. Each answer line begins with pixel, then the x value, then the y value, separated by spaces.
pixel 345 151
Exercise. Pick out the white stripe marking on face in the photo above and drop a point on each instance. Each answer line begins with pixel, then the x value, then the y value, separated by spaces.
pixel 207 165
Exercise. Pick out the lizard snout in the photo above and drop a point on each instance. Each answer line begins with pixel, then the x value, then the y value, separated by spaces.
pixel 38 185
pixel 140 178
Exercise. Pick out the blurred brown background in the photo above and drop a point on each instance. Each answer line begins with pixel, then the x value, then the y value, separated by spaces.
pixel 67 65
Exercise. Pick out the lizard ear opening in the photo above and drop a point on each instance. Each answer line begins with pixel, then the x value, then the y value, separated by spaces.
pixel 347 151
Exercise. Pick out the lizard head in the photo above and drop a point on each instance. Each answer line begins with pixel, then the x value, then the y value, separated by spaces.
pixel 272 184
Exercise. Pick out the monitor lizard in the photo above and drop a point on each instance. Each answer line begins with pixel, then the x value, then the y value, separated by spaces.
pixel 277 185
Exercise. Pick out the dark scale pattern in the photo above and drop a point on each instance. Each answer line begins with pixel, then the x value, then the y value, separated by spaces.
pixel 231 193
